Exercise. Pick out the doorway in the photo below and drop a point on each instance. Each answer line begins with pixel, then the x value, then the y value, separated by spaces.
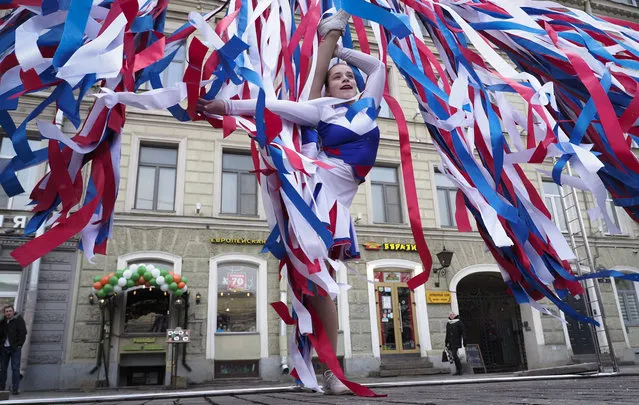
pixel 492 319
pixel 396 321
pixel 580 333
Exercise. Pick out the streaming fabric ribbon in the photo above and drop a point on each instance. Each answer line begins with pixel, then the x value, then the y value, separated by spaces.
pixel 562 86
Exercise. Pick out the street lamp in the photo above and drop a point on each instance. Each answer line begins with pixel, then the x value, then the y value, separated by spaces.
pixel 444 257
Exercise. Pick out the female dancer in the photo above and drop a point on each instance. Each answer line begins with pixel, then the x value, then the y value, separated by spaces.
pixel 350 147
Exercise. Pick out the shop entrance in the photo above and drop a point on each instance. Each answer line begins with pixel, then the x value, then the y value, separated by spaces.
pixel 395 304
pixel 493 321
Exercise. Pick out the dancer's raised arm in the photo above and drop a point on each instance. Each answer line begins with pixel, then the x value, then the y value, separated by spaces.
pixel 300 113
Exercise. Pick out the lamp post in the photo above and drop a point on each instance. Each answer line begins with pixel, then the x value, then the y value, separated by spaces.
pixel 445 257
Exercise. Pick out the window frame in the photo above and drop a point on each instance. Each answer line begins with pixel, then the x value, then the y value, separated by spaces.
pixel 450 201
pixel 555 206
pixel 384 203
pixel 18 293
pixel 253 266
pixel 38 171
pixel 261 295
pixel 130 186
pixel 157 167
pixel 622 296
pixel 239 193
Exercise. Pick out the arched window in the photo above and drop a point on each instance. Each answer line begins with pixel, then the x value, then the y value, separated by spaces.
pixel 236 297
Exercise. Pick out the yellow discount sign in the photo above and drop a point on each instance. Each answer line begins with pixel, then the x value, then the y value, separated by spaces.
pixel 438 297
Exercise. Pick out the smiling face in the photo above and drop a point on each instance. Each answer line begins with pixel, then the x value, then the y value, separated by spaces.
pixel 340 82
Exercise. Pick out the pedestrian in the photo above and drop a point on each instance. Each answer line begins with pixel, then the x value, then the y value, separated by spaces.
pixel 13 332
pixel 454 337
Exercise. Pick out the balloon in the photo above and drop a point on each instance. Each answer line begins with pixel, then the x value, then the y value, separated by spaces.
pixel 159 280
pixel 119 273
pixel 173 286
pixel 186 280
pixel 186 287
pixel 117 289
pixel 104 280
pixel 156 273
pixel 122 281
pixel 177 278
pixel 127 274
pixel 142 269
pixel 133 267
pixel 164 272
pixel 111 274
pixel 164 287
pixel 181 284
pixel 147 275
pixel 130 283
pixel 96 279
pixel 108 289
pixel 168 279
pixel 179 293
pixel 97 285
pixel 150 267
pixel 153 282
pixel 113 280
pixel 101 293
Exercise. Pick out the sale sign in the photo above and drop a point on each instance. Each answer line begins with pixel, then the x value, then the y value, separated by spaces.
pixel 236 281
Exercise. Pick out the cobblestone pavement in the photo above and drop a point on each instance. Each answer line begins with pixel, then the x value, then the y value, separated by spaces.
pixel 602 390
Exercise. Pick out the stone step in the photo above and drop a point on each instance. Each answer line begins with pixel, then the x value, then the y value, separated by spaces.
pixel 408 363
pixel 413 372
pixel 558 370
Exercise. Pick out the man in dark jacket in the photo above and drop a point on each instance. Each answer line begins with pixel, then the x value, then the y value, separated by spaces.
pixel 13 332
pixel 454 336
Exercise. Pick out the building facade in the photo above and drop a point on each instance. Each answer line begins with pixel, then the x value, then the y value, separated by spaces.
pixel 189 204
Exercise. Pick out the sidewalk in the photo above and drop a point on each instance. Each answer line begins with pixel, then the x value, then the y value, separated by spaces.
pixel 222 387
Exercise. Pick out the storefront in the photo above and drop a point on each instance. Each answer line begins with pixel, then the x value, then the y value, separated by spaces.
pixel 42 294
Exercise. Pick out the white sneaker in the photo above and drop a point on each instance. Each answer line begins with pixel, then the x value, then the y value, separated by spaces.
pixel 337 22
pixel 333 386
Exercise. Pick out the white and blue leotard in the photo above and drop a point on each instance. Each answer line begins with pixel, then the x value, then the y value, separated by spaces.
pixel 349 146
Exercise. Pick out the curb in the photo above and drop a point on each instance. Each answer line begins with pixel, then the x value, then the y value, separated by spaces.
pixel 291 388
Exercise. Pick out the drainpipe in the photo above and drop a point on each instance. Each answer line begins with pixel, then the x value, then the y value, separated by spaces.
pixel 283 338
pixel 32 290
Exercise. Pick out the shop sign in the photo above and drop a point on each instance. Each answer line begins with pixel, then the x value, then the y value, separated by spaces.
pixel 238 241
pixel 178 335
pixel 16 222
pixel 439 297
pixel 144 340
pixel 394 247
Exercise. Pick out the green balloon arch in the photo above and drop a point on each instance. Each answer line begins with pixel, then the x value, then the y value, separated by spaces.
pixel 139 275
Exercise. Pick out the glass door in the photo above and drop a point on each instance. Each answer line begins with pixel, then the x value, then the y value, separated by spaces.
pixel 395 314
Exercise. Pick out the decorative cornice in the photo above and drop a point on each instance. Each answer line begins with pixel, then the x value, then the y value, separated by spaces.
pixel 618 9
pixel 13 242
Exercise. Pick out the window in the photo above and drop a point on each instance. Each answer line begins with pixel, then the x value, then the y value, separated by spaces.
pixel 553 202
pixel 157 171
pixel 236 298
pixel 628 302
pixel 147 309
pixel 9 288
pixel 612 212
pixel 384 109
pixel 387 206
pixel 174 73
pixel 239 185
pixel 27 178
pixel 446 200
